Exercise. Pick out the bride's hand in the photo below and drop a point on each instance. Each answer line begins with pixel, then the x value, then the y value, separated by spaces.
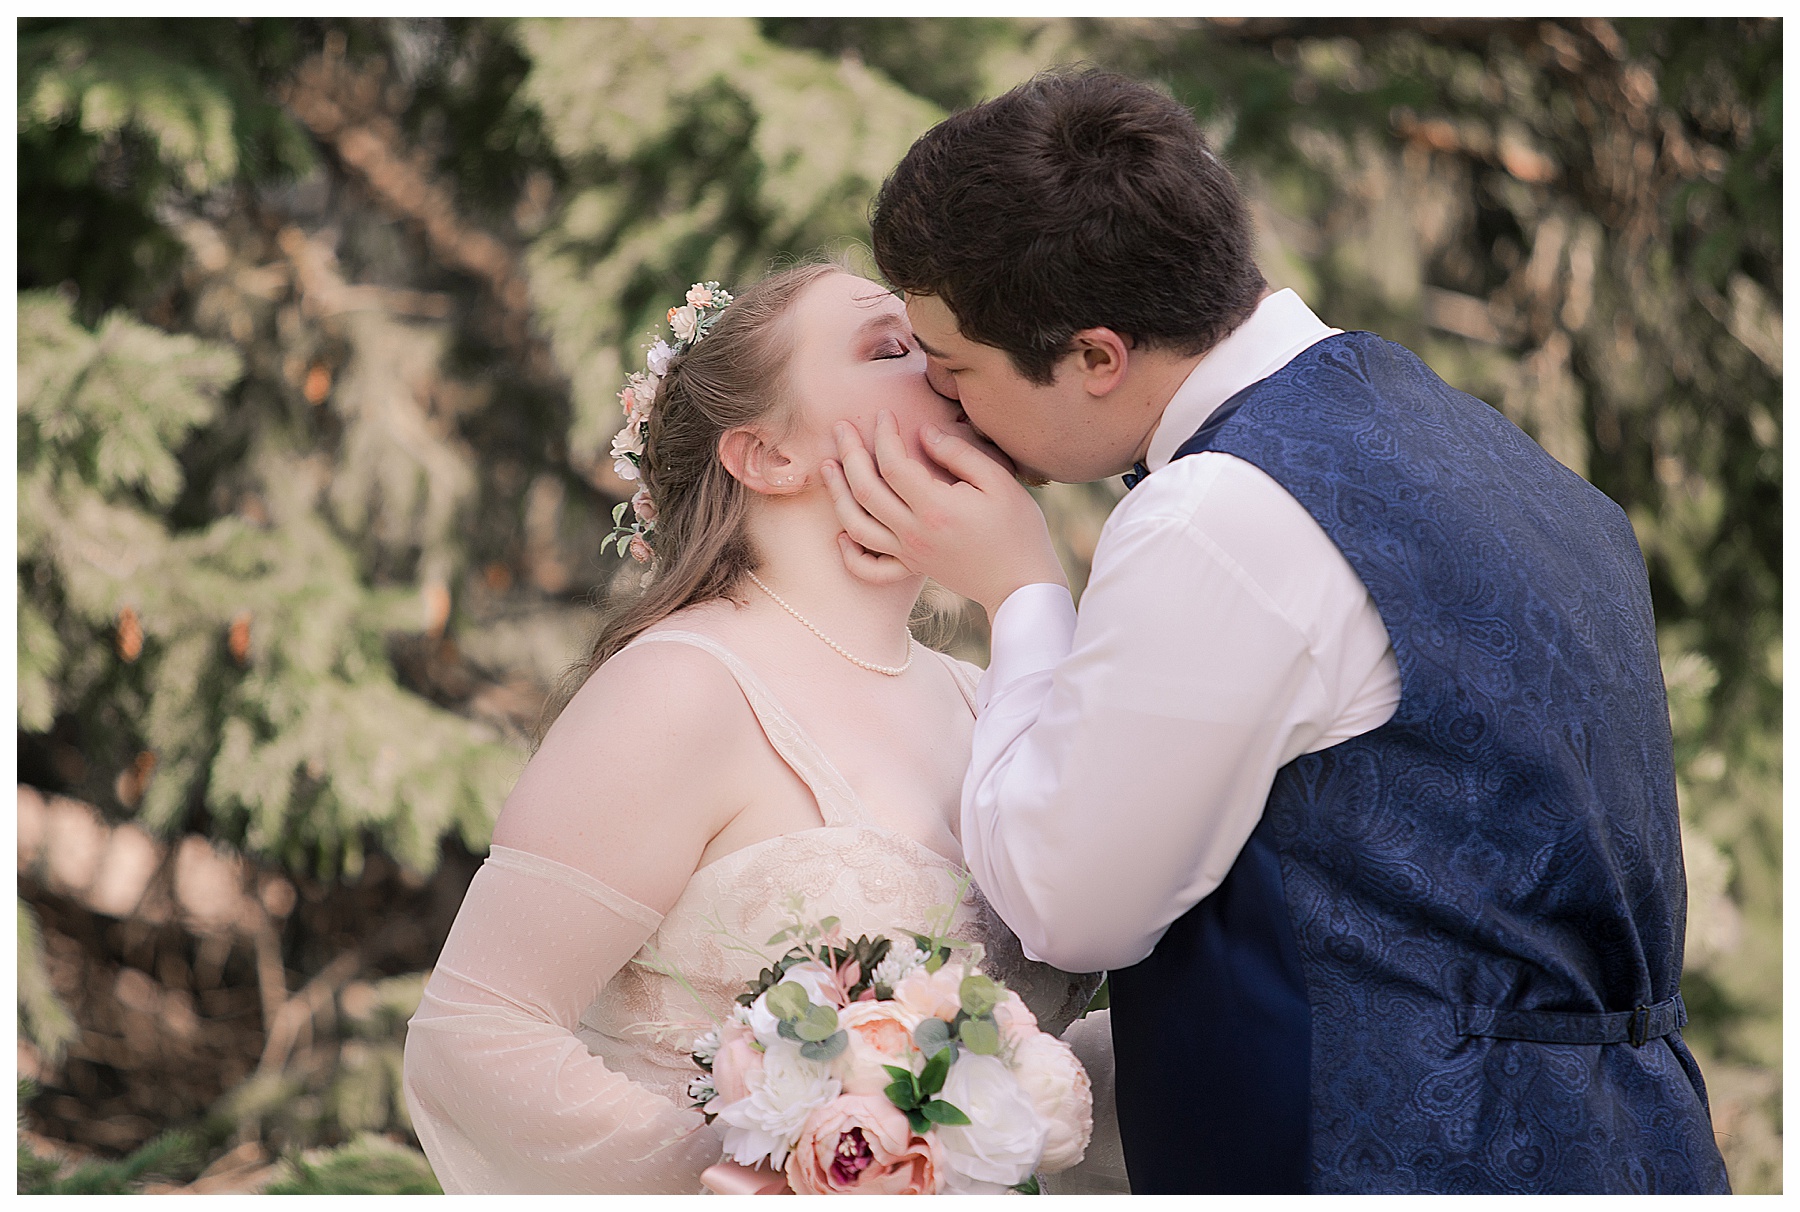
pixel 981 535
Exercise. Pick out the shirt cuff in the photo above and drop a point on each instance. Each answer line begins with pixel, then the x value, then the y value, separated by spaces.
pixel 1033 630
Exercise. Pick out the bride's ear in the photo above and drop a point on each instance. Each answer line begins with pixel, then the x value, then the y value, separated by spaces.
pixel 758 464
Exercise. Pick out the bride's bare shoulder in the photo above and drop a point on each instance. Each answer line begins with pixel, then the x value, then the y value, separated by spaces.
pixel 656 694
pixel 644 765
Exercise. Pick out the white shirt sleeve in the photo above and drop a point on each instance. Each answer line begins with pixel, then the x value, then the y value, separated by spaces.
pixel 1122 756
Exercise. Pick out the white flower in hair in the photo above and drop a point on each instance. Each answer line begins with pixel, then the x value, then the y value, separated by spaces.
pixel 705 302
pixel 627 449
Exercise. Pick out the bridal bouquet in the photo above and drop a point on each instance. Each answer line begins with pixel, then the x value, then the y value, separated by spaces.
pixel 890 1067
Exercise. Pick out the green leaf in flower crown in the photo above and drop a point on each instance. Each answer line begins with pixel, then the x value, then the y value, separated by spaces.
pixel 619 513
pixel 817 1023
pixel 980 1036
pixel 940 1112
pixel 827 1048
pixel 785 1029
pixel 1029 1187
pixel 979 995
pixel 932 1036
pixel 788 1000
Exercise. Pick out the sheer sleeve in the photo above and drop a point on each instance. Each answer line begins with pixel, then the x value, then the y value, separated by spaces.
pixel 503 1095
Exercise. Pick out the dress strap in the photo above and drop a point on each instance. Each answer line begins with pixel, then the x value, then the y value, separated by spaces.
pixel 838 804
pixel 966 676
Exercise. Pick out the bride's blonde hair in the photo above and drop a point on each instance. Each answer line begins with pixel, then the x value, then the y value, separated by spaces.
pixel 736 376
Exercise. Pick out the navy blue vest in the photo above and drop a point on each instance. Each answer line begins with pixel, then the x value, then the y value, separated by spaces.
pixel 1448 958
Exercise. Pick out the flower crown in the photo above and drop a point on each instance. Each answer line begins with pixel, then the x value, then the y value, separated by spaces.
pixel 706 302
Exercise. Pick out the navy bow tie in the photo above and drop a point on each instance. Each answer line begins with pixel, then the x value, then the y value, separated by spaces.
pixel 1138 471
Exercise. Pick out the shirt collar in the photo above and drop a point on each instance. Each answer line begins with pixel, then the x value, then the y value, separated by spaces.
pixel 1276 332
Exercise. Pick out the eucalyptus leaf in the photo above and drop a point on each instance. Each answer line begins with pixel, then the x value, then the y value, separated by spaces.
pixel 825 1049
pixel 979 994
pixel 788 1000
pixel 932 1036
pixel 981 1036
pixel 817 1023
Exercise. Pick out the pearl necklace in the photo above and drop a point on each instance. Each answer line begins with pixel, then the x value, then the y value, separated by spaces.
pixel 892 671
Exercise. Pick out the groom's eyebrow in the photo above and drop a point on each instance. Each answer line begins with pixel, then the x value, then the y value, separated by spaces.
pixel 929 349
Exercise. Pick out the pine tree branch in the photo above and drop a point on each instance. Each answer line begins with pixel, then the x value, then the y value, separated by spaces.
pixel 342 105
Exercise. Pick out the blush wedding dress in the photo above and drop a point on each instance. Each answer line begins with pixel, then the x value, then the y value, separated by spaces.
pixel 544 1058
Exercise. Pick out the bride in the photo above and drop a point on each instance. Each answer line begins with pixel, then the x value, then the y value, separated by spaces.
pixel 757 724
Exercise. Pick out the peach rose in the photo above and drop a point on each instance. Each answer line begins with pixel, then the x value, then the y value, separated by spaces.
pixel 880 1033
pixel 861 1144
pixel 932 994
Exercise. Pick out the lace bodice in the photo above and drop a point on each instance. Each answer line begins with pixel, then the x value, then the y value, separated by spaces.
pixel 492 1096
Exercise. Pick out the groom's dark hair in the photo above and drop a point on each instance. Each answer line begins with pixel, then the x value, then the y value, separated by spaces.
pixel 1080 199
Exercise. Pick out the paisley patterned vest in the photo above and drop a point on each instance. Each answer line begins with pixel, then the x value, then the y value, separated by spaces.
pixel 1448 958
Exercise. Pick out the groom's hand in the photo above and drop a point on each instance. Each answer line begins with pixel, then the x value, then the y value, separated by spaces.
pixel 982 535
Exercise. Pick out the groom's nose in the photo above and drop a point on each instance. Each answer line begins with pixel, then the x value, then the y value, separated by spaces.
pixel 941 380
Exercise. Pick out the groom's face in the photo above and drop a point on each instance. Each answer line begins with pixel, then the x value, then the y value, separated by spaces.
pixel 1050 431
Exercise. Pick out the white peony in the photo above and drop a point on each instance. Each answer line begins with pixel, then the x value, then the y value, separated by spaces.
pixel 783 1093
pixel 1059 1088
pixel 683 320
pixel 1005 1138
pixel 628 441
pixel 658 358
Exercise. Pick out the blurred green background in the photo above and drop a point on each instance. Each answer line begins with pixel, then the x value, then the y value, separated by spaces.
pixel 320 324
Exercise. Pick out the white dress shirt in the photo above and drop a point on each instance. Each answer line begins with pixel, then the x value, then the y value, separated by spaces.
pixel 1123 754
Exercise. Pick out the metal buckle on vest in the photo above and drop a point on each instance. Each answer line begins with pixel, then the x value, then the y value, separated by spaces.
pixel 1637 1033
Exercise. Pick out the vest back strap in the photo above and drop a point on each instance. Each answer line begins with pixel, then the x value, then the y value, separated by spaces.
pixel 1635 1027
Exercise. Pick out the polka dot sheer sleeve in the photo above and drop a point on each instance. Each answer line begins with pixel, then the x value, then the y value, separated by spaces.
pixel 504 1096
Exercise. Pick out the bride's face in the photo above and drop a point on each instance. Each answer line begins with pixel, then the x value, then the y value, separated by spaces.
pixel 855 355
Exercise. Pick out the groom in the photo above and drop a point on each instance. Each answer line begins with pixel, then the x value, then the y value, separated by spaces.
pixel 1353 769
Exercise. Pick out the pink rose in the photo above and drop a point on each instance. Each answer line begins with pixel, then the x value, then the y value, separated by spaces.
pixel 737 1059
pixel 932 994
pixel 880 1033
pixel 640 550
pixel 861 1144
pixel 643 506
pixel 1060 1092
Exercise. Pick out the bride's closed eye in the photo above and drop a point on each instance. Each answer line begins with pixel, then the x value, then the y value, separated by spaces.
pixel 892 348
